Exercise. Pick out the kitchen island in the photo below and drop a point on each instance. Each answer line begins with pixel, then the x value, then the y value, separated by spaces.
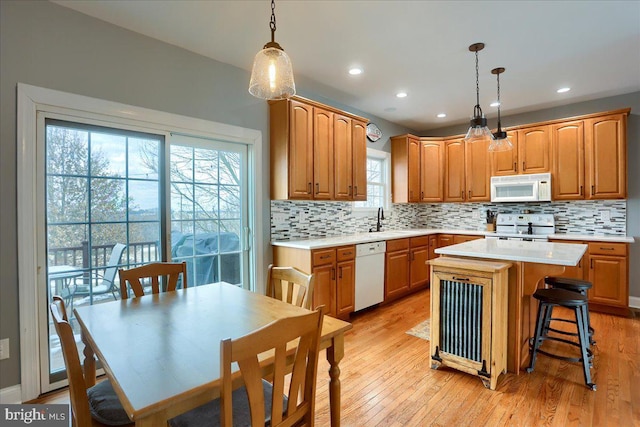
pixel 531 262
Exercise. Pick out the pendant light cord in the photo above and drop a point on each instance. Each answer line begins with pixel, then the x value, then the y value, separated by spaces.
pixel 499 127
pixel 477 111
pixel 272 24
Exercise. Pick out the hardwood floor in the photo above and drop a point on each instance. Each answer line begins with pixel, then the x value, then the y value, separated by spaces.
pixel 387 380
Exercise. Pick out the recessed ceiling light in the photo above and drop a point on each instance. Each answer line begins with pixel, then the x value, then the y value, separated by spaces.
pixel 563 89
pixel 401 94
pixel 494 104
pixel 355 71
pixel 441 115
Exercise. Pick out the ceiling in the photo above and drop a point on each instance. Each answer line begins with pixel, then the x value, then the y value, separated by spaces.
pixel 420 47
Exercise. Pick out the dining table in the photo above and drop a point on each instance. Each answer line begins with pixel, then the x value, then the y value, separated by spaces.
pixel 162 351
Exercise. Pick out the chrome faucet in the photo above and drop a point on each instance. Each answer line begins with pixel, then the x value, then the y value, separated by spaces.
pixel 380 217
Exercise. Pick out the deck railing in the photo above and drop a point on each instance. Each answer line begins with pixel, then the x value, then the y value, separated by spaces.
pixel 98 256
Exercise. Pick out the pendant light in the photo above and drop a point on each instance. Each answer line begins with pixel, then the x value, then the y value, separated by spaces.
pixel 501 141
pixel 272 74
pixel 478 125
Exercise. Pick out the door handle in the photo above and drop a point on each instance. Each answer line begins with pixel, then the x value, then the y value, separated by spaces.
pixel 593 190
pixel 515 166
pixel 333 274
pixel 309 189
pixel 350 191
pixel 317 188
pixel 462 194
pixel 463 279
pixel 469 194
pixel 340 273
pixel 581 190
pixel 523 166
pixel 355 192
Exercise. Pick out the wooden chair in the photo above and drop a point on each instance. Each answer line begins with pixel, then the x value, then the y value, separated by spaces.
pixel 290 285
pixel 170 270
pixel 98 405
pixel 294 342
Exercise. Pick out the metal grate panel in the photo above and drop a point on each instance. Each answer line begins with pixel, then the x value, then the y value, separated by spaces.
pixel 461 319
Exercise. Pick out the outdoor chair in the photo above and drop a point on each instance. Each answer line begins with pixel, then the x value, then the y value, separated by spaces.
pixel 259 402
pixel 134 277
pixel 95 406
pixel 106 280
pixel 290 285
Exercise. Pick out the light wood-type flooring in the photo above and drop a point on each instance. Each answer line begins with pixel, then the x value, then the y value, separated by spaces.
pixel 387 379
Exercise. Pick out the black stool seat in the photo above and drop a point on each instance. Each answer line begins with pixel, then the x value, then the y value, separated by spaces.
pixel 577 302
pixel 576 285
pixel 560 297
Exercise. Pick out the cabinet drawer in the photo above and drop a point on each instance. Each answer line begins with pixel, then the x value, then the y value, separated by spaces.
pixel 419 241
pixel 397 245
pixel 601 248
pixel 346 253
pixel 323 256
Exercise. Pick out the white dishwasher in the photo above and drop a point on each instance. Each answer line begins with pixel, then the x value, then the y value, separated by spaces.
pixel 369 274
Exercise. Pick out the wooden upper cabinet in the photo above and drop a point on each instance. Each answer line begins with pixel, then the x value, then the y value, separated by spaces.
pixel 477 171
pixel 606 157
pixel 359 153
pixel 323 154
pixel 405 168
pixel 506 162
pixel 343 157
pixel 567 160
pixel 317 152
pixel 533 149
pixel 454 185
pixel 431 171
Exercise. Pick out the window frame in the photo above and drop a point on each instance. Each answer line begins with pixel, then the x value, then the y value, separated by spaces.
pixel 361 211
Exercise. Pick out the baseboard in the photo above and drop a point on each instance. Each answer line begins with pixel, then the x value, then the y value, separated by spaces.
pixel 634 302
pixel 11 394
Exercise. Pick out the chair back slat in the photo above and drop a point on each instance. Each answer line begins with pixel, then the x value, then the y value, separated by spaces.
pixel 77 384
pixel 170 271
pixel 293 340
pixel 290 285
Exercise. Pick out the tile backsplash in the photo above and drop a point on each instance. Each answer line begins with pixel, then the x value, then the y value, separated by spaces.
pixel 293 220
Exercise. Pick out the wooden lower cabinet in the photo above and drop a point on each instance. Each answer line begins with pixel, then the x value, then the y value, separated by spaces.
pixel 334 275
pixel 606 266
pixel 396 271
pixel 461 238
pixel 345 281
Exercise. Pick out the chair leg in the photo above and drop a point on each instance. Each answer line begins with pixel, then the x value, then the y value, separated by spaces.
pixel 583 334
pixel 537 338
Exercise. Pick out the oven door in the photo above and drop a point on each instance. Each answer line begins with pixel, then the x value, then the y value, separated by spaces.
pixel 514 191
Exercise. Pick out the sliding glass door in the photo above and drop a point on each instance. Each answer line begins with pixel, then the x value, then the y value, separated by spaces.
pixel 119 197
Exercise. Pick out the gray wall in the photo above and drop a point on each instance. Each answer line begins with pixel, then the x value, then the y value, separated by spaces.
pixel 43 44
pixel 633 158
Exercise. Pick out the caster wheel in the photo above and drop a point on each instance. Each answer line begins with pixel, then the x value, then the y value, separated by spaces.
pixel 529 370
pixel 592 386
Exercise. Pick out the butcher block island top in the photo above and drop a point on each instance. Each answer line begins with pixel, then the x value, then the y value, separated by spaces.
pixel 565 254
pixel 531 262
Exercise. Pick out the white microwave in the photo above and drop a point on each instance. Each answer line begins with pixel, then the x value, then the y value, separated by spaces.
pixel 521 188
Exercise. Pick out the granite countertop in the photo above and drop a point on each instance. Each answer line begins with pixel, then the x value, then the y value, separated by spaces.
pixel 567 254
pixel 353 239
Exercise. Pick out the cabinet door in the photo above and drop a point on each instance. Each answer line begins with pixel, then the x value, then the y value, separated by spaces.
pixel 359 140
pixel 322 154
pixel 324 287
pixel 533 149
pixel 396 281
pixel 300 151
pixel 343 157
pixel 419 274
pixel 414 170
pixel 606 157
pixel 454 171
pixel 433 245
pixel 432 171
pixel 506 162
pixel 477 171
pixel 345 288
pixel 567 153
pixel 608 274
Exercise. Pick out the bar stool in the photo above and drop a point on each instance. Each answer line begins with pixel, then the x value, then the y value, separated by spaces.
pixel 575 285
pixel 548 299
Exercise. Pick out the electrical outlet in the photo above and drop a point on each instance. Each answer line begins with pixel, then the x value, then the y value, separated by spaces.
pixel 279 217
pixel 4 349
pixel 605 215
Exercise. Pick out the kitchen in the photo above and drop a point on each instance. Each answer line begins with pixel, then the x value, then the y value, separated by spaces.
pixel 26 27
